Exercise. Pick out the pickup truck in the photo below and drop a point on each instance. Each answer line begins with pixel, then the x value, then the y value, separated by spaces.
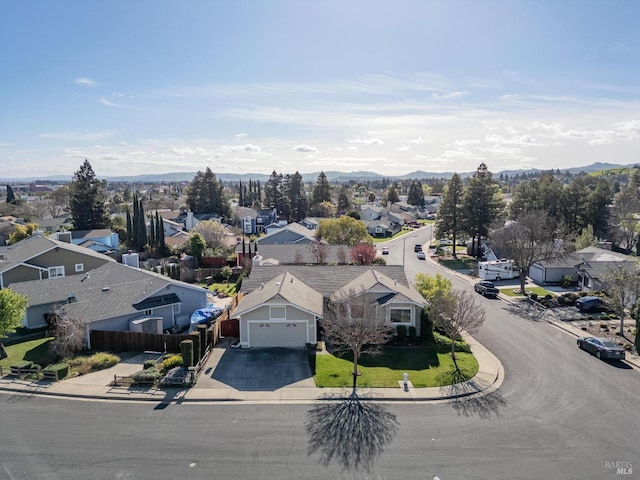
pixel 486 289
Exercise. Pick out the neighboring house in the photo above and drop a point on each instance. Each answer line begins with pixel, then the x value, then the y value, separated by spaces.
pixel 371 212
pixel 177 240
pixel 171 227
pixel 586 267
pixel 39 257
pixel 301 254
pixel 553 270
pixel 50 225
pixel 312 223
pixel 279 297
pixel 255 222
pixel 400 207
pixel 99 240
pixel 382 228
pixel 596 263
pixel 191 219
pixel 291 233
pixel 113 297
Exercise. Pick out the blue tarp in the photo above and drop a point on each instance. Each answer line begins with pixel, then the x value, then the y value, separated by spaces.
pixel 203 315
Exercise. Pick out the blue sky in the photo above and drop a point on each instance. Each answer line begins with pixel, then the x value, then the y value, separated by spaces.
pixel 252 86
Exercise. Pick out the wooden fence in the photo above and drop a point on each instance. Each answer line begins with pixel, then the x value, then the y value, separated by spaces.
pixel 110 341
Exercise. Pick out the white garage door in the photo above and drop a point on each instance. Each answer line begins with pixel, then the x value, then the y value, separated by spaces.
pixel 275 334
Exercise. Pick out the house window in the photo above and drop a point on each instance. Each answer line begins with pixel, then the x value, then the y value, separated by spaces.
pixel 176 308
pixel 79 267
pixel 56 271
pixel 148 312
pixel 400 315
pixel 278 313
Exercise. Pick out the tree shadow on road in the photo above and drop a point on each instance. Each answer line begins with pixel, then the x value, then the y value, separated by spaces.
pixel 469 399
pixel 353 430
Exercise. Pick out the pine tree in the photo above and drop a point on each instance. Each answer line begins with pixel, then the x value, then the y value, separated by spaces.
pixel 481 205
pixel 297 198
pixel 450 213
pixel 87 200
pixel 11 198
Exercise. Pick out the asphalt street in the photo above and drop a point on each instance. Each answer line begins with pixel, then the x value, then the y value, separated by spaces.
pixel 560 413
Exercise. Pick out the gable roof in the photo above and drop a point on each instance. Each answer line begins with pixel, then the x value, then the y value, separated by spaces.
pixel 95 233
pixel 298 254
pixel 296 228
pixel 31 247
pixel 371 278
pixel 324 279
pixel 109 291
pixel 285 287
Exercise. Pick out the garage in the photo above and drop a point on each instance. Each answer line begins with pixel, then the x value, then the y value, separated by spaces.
pixel 278 334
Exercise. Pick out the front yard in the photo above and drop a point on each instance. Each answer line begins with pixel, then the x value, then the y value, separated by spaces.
pixel 425 367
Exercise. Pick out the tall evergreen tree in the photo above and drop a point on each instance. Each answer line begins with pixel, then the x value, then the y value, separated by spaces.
pixel 481 205
pixel 297 198
pixel 321 190
pixel 416 195
pixel 205 194
pixel 450 213
pixel 11 198
pixel 87 199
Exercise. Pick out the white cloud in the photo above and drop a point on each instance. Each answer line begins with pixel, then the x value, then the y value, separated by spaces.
pixel 447 95
pixel 305 148
pixel 78 136
pixel 404 148
pixel 366 141
pixel 85 82
pixel 245 148
pixel 241 135
pixel 189 151
pixel 417 141
pixel 109 103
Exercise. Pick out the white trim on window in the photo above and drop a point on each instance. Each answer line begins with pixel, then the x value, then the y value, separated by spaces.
pixel 79 267
pixel 176 308
pixel 403 316
pixel 57 271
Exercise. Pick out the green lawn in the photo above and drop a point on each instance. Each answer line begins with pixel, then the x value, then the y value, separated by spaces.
pixel 541 292
pixel 36 351
pixel 424 366
pixel 459 263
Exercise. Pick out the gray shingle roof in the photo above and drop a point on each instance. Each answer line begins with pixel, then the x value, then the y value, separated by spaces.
pixel 369 279
pixel 286 287
pixel 324 279
pixel 35 245
pixel 106 292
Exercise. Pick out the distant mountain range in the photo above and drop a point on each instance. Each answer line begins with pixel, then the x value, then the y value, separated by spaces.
pixel 332 176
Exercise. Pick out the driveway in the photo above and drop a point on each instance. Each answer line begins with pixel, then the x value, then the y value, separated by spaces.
pixel 257 369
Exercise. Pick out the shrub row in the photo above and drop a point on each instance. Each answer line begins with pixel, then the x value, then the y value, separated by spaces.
pixel 62 369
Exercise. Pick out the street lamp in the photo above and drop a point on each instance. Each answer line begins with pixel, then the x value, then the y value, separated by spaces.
pixel 404 246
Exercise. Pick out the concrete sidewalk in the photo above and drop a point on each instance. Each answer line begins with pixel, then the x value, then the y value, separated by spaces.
pixel 96 386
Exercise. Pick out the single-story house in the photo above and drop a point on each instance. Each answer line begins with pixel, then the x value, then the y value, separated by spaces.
pixel 291 233
pixel 113 297
pixel 283 304
pixel 585 266
pixel 101 240
pixel 300 254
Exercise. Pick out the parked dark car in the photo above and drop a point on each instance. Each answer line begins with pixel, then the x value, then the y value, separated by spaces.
pixel 417 247
pixel 590 304
pixel 486 289
pixel 602 348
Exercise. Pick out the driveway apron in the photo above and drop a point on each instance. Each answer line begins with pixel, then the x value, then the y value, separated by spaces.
pixel 257 369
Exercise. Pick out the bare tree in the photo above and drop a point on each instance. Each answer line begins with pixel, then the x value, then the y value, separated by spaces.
pixel 319 251
pixel 342 255
pixel 623 288
pixel 458 313
pixel 298 257
pixel 356 323
pixel 363 253
pixel 533 237
pixel 69 333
